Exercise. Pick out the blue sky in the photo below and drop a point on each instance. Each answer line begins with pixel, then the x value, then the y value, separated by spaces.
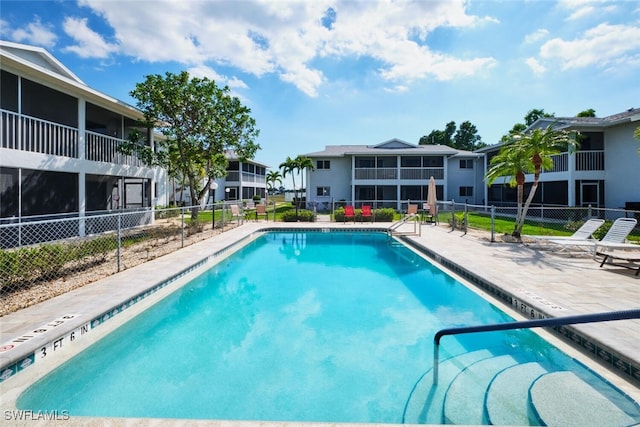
pixel 325 72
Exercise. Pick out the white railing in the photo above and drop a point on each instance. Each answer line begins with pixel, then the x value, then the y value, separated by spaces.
pixel 104 148
pixel 560 163
pixel 376 173
pixel 20 132
pixel 590 160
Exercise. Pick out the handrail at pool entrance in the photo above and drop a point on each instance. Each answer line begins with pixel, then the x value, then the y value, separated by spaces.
pixel 527 324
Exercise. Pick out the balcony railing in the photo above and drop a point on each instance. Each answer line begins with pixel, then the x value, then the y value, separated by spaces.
pixel 590 161
pixel 422 173
pixel 376 173
pixel 20 132
pixel 392 173
pixel 104 148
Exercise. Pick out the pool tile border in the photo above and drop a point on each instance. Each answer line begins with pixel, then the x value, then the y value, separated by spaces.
pixel 624 367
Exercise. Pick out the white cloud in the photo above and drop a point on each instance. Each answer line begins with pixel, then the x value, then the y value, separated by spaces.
pixel 89 43
pixel 601 46
pixel 35 33
pixel 203 71
pixel 537 68
pixel 536 36
pixel 286 38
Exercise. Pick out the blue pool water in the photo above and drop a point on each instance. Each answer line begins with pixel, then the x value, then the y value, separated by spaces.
pixel 298 326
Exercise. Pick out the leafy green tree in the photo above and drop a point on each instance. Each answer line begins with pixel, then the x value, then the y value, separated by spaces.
pixel 200 122
pixel 529 119
pixel 535 114
pixel 537 146
pixel 636 135
pixel 467 138
pixel 587 113
pixel 463 138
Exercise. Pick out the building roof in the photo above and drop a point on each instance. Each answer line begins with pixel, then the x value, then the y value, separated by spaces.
pixel 392 147
pixel 630 115
pixel 38 64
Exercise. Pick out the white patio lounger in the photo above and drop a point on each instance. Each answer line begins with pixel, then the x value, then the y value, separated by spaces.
pixel 582 233
pixel 632 257
pixel 614 239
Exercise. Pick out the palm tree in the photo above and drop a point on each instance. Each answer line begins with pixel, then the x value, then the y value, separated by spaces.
pixel 288 167
pixel 511 162
pixel 302 164
pixel 271 178
pixel 540 145
pixel 530 152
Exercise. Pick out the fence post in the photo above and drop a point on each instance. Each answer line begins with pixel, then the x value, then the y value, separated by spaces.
pixel 493 223
pixel 465 218
pixel 589 212
pixel 453 215
pixel 182 227
pixel 119 237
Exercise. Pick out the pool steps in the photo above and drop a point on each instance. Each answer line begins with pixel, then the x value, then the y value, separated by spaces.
pixel 479 388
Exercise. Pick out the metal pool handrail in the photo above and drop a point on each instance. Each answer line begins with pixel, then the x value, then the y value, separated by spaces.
pixel 527 324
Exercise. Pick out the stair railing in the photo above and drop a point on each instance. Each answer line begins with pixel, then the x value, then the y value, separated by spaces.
pixel 527 324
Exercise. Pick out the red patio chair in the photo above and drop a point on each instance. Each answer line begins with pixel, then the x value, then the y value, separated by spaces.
pixel 366 213
pixel 349 212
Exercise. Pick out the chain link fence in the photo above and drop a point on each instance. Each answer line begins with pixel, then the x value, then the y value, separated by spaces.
pixel 42 258
pixel 540 220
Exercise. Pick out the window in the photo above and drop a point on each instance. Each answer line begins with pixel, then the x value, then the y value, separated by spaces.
pixel 323 164
pixel 433 161
pixel 365 162
pixel 323 191
pixel 410 162
pixel 466 164
pixel 466 191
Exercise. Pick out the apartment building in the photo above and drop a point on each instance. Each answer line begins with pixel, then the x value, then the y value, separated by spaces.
pixel 604 172
pixel 392 174
pixel 59 143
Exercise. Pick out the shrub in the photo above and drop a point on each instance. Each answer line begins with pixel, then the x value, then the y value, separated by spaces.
pixel 303 215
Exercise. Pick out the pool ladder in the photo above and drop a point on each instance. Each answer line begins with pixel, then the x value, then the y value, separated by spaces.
pixel 527 324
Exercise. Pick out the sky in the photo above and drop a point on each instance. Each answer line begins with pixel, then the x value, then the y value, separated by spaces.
pixel 334 72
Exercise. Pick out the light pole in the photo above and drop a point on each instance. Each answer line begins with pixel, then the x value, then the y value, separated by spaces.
pixel 227 191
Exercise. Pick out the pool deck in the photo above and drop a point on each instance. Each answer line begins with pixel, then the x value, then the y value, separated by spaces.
pixel 538 283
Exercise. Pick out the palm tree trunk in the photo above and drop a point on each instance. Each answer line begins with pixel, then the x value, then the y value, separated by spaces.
pixel 532 192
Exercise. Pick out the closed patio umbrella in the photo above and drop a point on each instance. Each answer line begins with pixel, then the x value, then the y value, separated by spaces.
pixel 431 197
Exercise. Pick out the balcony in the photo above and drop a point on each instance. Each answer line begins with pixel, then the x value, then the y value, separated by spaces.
pixel 19 132
pixel 392 173
pixel 25 133
pixel 584 161
pixel 104 148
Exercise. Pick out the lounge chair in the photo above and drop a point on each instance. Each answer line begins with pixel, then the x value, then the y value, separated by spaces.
pixel 632 258
pixel 235 212
pixel 349 213
pixel 582 233
pixel 366 213
pixel 614 239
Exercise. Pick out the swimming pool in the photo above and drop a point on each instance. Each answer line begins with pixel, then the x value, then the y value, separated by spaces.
pixel 300 326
